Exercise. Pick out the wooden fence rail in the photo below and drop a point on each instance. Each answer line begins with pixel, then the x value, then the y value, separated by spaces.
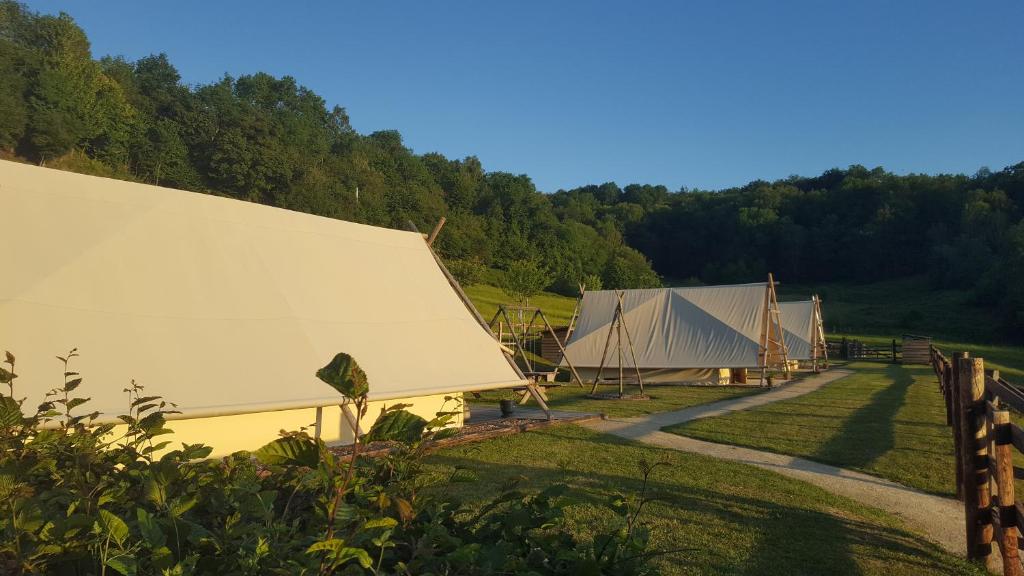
pixel 984 441
pixel 850 349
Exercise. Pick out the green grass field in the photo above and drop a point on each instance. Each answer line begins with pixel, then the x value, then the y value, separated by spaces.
pixel 663 398
pixel 886 419
pixel 558 309
pixel 741 520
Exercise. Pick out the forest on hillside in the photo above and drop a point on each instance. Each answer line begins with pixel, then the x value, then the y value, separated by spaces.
pixel 271 140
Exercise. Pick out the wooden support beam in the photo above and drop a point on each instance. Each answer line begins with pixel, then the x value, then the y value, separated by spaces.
pixel 572 369
pixel 436 231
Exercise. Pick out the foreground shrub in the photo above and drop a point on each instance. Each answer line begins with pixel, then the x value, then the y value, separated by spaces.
pixel 81 498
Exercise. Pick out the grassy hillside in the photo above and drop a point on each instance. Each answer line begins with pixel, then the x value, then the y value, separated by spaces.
pixel 558 309
pixel 878 312
pixel 896 307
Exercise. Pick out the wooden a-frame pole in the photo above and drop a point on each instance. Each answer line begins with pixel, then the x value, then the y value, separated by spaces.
pixel 618 326
pixel 483 323
pixel 561 348
pixel 764 335
pixel 820 347
pixel 780 342
pixel 632 351
pixel 604 353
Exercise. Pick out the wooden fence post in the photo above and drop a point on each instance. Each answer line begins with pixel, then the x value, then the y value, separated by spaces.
pixel 894 360
pixel 974 451
pixel 1008 521
pixel 957 410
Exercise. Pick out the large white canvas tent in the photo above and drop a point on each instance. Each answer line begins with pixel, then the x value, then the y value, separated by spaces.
pixel 804 332
pixel 224 307
pixel 682 334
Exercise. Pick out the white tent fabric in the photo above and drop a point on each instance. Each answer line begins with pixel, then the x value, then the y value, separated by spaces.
pixel 219 305
pixel 698 327
pixel 798 327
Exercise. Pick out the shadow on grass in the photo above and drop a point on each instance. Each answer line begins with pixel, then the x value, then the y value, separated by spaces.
pixel 869 432
pixel 740 524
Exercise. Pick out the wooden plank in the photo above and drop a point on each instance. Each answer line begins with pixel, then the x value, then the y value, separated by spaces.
pixel 1018 437
pixel 1007 393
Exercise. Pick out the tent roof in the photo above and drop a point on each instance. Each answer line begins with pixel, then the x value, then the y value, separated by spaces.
pixel 696 327
pixel 798 328
pixel 219 305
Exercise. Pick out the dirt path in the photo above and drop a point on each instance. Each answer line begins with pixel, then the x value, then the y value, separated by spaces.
pixel 941 519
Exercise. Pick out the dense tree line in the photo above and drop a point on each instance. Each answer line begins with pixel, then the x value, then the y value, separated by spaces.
pixel 273 141
pixel 270 140
pixel 854 225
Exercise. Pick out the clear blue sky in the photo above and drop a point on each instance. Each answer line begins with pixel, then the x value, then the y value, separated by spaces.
pixel 700 94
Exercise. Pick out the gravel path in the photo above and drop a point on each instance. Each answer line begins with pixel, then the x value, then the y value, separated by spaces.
pixel 941 519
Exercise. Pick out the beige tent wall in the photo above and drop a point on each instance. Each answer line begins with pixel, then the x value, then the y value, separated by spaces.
pixel 799 324
pixel 707 327
pixel 228 434
pixel 223 307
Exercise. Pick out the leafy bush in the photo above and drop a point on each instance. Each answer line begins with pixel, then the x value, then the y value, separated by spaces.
pixel 524 279
pixel 467 272
pixel 81 498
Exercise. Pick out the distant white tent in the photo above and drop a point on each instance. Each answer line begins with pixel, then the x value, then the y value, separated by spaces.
pixel 804 331
pixel 222 306
pixel 683 334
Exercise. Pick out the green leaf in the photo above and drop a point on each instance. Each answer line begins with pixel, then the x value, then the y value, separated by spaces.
pixel 399 425
pixel 144 399
pixel 150 529
pixel 380 523
pixel 72 384
pixel 6 376
pixel 337 553
pixel 110 525
pixel 10 412
pixel 76 402
pixel 125 564
pixel 446 433
pixel 180 505
pixel 344 375
pixel 290 450
pixel 162 558
pixel 10 357
pixel 152 421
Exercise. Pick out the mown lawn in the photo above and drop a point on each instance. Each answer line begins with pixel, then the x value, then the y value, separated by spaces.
pixel 741 520
pixel 885 419
pixel 663 398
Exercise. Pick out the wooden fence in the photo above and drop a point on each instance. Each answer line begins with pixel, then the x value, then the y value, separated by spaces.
pixel 984 440
pixel 850 349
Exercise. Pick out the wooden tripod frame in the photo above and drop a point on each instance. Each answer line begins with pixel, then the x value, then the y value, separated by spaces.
pixel 773 350
pixel 819 349
pixel 518 342
pixel 618 326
